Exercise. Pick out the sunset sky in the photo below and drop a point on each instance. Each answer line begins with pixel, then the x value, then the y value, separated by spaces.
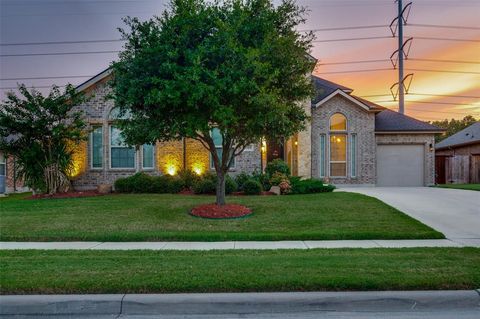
pixel 456 74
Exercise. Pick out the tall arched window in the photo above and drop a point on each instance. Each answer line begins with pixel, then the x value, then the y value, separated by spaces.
pixel 338 145
pixel 121 154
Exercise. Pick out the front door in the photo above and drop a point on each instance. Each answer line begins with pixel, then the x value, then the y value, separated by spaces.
pixel 275 149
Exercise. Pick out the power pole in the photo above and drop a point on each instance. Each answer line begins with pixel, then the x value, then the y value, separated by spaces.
pixel 401 86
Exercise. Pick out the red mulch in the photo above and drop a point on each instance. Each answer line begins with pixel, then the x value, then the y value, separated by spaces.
pixel 66 195
pixel 261 194
pixel 215 211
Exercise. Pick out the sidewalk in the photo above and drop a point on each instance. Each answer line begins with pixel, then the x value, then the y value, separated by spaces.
pixel 291 303
pixel 307 244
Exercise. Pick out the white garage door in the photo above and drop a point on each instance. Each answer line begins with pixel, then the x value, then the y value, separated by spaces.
pixel 400 165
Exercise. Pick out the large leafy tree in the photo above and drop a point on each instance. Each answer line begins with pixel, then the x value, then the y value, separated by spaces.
pixel 41 132
pixel 453 126
pixel 236 65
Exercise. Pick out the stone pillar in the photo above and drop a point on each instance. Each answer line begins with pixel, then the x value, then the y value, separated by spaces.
pixel 304 147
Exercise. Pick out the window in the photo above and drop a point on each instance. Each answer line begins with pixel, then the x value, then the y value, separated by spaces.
pixel 322 156
pixel 96 140
pixel 338 122
pixel 147 152
pixel 338 145
pixel 2 164
pixel 217 140
pixel 121 155
pixel 353 155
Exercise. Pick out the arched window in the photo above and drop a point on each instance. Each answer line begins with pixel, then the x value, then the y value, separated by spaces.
pixel 338 145
pixel 338 122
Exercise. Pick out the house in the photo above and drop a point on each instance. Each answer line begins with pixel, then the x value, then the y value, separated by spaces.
pixel 457 158
pixel 348 141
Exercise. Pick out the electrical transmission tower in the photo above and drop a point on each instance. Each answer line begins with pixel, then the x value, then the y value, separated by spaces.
pixel 396 26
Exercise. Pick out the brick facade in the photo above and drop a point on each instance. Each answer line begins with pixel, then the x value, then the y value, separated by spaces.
pixel 359 122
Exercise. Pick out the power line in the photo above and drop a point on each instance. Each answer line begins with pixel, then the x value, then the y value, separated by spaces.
pixel 354 39
pixel 358 71
pixel 374 26
pixel 442 26
pixel 389 69
pixel 443 71
pixel 410 59
pixel 444 61
pixel 56 53
pixel 60 42
pixel 447 39
pixel 426 102
pixel 355 62
pixel 48 77
pixel 427 94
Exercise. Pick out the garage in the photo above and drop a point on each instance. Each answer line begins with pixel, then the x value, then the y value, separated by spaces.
pixel 400 165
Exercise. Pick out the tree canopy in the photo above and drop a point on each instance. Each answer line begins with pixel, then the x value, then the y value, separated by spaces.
pixel 453 126
pixel 41 133
pixel 236 65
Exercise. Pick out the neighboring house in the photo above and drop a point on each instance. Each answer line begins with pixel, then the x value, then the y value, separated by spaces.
pixel 457 158
pixel 348 141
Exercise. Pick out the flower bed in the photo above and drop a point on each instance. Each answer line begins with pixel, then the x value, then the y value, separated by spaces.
pixel 215 211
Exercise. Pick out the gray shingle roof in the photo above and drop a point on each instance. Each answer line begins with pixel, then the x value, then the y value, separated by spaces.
pixel 391 121
pixel 324 88
pixel 468 135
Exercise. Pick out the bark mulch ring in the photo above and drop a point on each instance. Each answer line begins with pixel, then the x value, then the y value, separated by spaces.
pixel 214 211
pixel 66 195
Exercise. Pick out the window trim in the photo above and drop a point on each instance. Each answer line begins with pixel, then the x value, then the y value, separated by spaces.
pixel 110 153
pixel 330 122
pixel 153 158
pixel 91 148
pixel 4 163
pixel 353 155
pixel 347 143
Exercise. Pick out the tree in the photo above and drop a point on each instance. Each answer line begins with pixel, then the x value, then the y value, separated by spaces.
pixel 237 66
pixel 453 126
pixel 41 133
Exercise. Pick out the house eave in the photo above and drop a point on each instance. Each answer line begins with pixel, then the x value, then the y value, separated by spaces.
pixel 408 132
pixel 450 147
pixel 92 81
pixel 344 94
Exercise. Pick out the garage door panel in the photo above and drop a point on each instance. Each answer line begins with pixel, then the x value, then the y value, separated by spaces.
pixel 400 165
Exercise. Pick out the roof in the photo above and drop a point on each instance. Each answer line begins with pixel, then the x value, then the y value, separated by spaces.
pixel 371 105
pixel 391 121
pixel 324 88
pixel 100 76
pixel 468 135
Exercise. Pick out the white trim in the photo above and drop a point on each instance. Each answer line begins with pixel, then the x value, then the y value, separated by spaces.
pixel 91 148
pixel 94 80
pixel 347 96
pixel 142 157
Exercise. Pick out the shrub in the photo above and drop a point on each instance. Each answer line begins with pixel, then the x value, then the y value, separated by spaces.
pixel 309 186
pixel 208 184
pixel 175 184
pixel 138 183
pixel 241 179
pixel 204 186
pixel 263 179
pixel 277 165
pixel 123 185
pixel 188 178
pixel 252 187
pixel 285 187
pixel 278 178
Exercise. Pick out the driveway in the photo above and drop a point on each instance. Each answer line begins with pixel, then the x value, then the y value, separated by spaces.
pixel 455 213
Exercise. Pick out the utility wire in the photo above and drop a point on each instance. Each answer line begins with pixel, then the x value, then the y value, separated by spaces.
pixel 56 53
pixel 427 94
pixel 410 59
pixel 48 77
pixel 444 61
pixel 60 42
pixel 427 102
pixel 346 28
pixel 442 26
pixel 389 69
pixel 446 39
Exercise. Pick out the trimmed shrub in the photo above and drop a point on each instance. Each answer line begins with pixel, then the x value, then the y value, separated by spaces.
pixel 138 183
pixel 241 179
pixel 278 178
pixel 263 179
pixel 230 185
pixel 204 186
pixel 188 178
pixel 310 186
pixel 277 165
pixel 252 187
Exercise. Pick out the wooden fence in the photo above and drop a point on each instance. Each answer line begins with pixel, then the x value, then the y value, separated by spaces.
pixel 458 169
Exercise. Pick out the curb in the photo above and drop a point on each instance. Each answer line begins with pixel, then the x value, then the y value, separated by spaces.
pixel 238 303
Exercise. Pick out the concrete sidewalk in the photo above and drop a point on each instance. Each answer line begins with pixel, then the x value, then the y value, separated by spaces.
pixel 290 303
pixel 307 244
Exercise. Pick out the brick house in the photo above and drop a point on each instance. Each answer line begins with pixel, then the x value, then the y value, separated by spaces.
pixel 349 140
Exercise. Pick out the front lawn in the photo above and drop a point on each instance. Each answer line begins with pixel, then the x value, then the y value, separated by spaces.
pixel 154 217
pixel 471 187
pixel 79 272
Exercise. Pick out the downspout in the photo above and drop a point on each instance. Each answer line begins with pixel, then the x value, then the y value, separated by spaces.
pixel 184 154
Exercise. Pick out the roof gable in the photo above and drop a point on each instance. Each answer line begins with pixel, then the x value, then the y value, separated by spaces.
pixel 345 95
pixel 323 88
pixel 468 135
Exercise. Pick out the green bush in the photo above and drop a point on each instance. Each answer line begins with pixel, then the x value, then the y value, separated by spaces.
pixel 277 165
pixel 144 183
pixel 208 184
pixel 263 179
pixel 204 186
pixel 241 179
pixel 310 186
pixel 277 178
pixel 252 187
pixel 188 178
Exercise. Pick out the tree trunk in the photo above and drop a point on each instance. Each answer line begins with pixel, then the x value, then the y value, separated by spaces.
pixel 220 188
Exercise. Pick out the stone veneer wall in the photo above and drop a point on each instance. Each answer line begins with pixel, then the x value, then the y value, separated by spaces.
pixel 304 147
pixel 427 140
pixel 97 110
pixel 359 122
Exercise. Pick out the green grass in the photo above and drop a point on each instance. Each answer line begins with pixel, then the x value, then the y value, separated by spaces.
pixel 67 272
pixel 153 217
pixel 471 187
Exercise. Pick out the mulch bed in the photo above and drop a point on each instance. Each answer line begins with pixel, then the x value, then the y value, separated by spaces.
pixel 214 211
pixel 66 195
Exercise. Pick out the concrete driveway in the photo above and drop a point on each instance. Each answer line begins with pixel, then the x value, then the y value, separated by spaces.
pixel 455 213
